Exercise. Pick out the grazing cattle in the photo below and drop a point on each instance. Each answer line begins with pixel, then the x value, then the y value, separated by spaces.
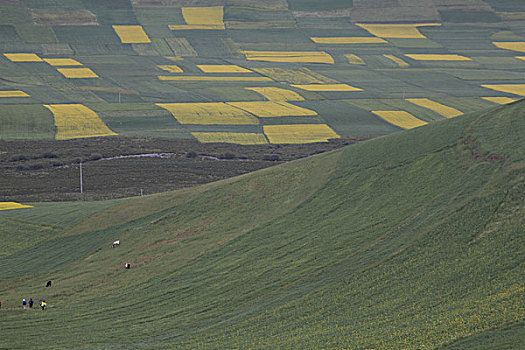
pixel 115 244
pixel 48 284
pixel 128 265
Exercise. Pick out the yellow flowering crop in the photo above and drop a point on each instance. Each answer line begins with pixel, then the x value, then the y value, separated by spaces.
pixel 268 109
pixel 171 68
pixel 62 62
pixel 22 57
pixel 500 100
pixel 231 137
pixel 349 40
pixel 402 119
pixel 222 68
pixel 511 45
pixel 438 57
pixel 299 133
pixel 201 18
pixel 77 73
pixel 397 60
pixel 354 59
pixel 212 78
pixel 327 87
pixel 13 205
pixel 131 34
pixel 516 89
pixel 208 113
pixel 13 93
pixel 277 94
pixel 401 31
pixel 437 107
pixel 289 56
pixel 77 121
pixel 295 76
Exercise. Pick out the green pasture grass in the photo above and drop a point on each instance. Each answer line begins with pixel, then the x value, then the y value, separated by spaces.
pixel 55 4
pixel 465 104
pixel 415 43
pixel 225 128
pixel 313 6
pixel 154 16
pixel 483 74
pixel 8 33
pixel 85 35
pixel 406 241
pixel 14 14
pixel 112 11
pixel 31 122
pixel 247 14
pixel 505 337
pixel 469 16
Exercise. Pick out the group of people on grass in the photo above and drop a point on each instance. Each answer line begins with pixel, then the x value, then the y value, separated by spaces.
pixel 30 303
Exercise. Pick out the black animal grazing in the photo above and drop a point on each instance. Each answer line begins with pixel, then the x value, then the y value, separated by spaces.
pixel 48 284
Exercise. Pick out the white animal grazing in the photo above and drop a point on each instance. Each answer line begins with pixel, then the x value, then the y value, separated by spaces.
pixel 116 243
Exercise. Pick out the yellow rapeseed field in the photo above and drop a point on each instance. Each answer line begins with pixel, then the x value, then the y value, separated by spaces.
pixel 438 57
pixel 13 93
pixel 348 40
pixel 354 59
pixel 23 57
pixel 77 73
pixel 277 94
pixel 13 205
pixel 211 78
pixel 516 89
pixel 520 58
pixel 222 68
pixel 209 113
pixel 299 133
pixel 500 100
pixel 289 56
pixel 327 87
pixel 269 109
pixel 397 31
pixel 62 62
pixel 511 45
pixel 295 75
pixel 131 34
pixel 402 119
pixel 445 111
pixel 77 121
pixel 231 137
pixel 201 18
pixel 174 58
pixel 171 68
pixel 397 60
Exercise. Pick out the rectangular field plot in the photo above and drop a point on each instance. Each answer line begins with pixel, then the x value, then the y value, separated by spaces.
pixel 401 31
pixel 289 56
pixel 230 137
pixel 269 109
pixel 438 57
pixel 131 34
pixel 170 68
pixel 500 100
pixel 299 133
pixel 211 78
pixel 23 57
pixel 511 45
pixel 349 40
pixel 77 73
pixel 400 63
pixel 516 89
pixel 354 59
pixel 222 68
pixel 327 87
pixel 295 75
pixel 13 93
pixel 201 18
pixel 62 62
pixel 402 119
pixel 77 121
pixel 13 205
pixel 277 94
pixel 208 113
pixel 445 111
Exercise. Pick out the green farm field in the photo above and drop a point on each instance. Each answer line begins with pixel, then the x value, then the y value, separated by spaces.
pixel 408 241
pixel 140 53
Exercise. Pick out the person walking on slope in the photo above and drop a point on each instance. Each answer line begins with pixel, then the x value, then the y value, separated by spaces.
pixel 43 304
pixel 30 303
pixel 24 303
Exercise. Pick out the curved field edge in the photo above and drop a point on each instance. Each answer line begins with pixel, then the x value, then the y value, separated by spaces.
pixel 408 241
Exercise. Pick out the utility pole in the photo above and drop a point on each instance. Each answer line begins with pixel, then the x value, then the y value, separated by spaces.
pixel 119 97
pixel 81 185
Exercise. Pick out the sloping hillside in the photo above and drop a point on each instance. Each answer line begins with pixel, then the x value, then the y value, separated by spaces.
pixel 414 240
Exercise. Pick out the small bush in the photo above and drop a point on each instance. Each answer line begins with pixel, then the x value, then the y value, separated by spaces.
pixel 191 154
pixel 95 156
pixel 17 158
pixel 227 155
pixel 49 155
pixel 271 157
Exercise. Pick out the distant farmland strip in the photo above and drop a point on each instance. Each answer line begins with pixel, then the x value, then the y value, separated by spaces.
pixel 438 57
pixel 13 205
pixel 212 78
pixel 269 109
pixel 511 45
pixel 222 68
pixel 277 94
pixel 396 31
pixel 62 62
pixel 77 121
pixel 299 133
pixel 77 73
pixel 209 113
pixel 327 87
pixel 171 68
pixel 23 57
pixel 445 111
pixel 397 60
pixel 289 56
pixel 201 18
pixel 131 34
pixel 402 119
pixel 354 59
pixel 230 137
pixel 516 89
pixel 13 93
pixel 500 100
pixel 295 75
pixel 349 40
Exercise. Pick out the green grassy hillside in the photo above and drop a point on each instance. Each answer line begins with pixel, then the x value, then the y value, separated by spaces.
pixel 84 57
pixel 414 240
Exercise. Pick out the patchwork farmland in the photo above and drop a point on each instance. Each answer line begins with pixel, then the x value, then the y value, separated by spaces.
pixel 263 63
